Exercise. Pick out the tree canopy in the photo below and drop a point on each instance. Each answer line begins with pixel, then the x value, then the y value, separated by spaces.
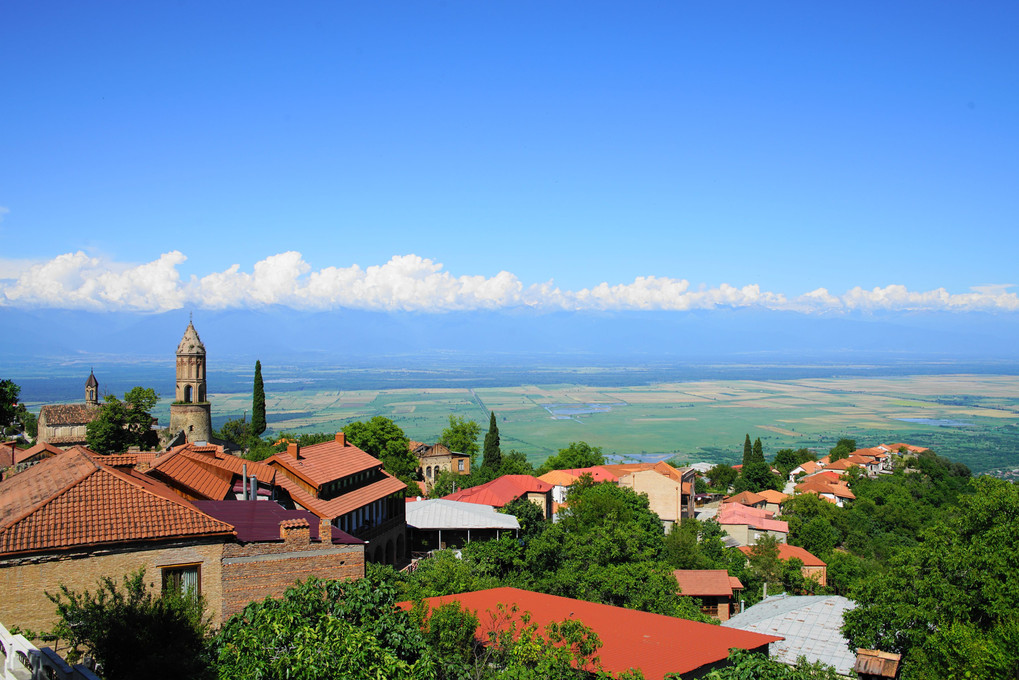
pixel 576 455
pixel 461 436
pixel 492 458
pixel 123 424
pixel 9 393
pixel 382 438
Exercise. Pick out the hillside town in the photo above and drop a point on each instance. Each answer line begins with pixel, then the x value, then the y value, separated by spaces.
pixel 669 572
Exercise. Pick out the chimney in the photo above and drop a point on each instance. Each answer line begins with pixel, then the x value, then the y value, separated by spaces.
pixel 294 449
pixel 295 531
pixel 244 481
pixel 325 532
pixel 254 487
pixel 341 439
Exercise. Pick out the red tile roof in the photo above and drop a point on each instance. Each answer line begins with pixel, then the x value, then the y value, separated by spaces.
pixel 787 552
pixel 322 463
pixel 704 582
pixel 341 505
pixel 501 490
pixel 734 513
pixel 654 643
pixel 746 498
pixel 42 449
pixel 73 500
pixel 772 496
pixel 206 472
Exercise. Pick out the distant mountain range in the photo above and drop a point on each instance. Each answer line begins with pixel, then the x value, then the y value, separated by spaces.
pixel 383 338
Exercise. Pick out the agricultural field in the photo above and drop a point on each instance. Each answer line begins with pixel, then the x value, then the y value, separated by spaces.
pixel 970 418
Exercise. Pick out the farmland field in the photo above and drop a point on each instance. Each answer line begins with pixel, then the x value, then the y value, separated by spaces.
pixel 970 418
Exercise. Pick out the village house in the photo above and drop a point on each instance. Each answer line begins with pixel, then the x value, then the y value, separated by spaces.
pixel 436 458
pixel 813 567
pixel 669 490
pixel 655 644
pixel 72 519
pixel 715 589
pixel 745 525
pixel 439 523
pixel 773 500
pixel 749 499
pixel 562 480
pixel 506 489
pixel 339 482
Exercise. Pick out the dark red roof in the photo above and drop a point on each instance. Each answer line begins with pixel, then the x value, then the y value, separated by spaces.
pixel 259 521
pixel 654 643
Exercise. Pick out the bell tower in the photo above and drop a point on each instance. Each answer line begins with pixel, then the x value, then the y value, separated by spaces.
pixel 190 410
pixel 92 390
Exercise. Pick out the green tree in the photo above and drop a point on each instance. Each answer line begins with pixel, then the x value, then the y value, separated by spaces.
pixel 382 438
pixel 492 454
pixel 133 633
pixel 764 559
pixel 461 436
pixel 258 403
pixel 9 393
pixel 122 424
pixel 842 449
pixel 787 459
pixel 576 455
pixel 515 463
pixel 722 477
pixel 758 451
pixel 531 517
pixel 949 603
pixel 237 431
pixel 748 451
pixel 744 665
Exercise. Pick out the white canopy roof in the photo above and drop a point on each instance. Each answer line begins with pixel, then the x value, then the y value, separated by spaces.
pixel 442 514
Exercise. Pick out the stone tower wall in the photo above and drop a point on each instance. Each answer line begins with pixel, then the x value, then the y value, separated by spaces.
pixel 194 419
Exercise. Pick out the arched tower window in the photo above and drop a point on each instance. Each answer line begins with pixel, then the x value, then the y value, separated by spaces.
pixel 187 394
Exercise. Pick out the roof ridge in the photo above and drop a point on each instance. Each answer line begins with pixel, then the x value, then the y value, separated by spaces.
pixel 52 497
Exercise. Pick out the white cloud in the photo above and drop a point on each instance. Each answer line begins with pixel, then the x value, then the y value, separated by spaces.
pixel 410 282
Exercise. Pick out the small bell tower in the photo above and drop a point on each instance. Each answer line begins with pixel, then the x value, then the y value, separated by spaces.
pixel 92 390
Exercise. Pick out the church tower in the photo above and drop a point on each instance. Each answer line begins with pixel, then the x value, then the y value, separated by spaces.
pixel 92 390
pixel 190 411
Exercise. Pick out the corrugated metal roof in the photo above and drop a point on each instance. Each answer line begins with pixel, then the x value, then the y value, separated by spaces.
pixel 810 624
pixel 444 514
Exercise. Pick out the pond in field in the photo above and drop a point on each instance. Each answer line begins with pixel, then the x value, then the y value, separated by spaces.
pixel 937 422
pixel 563 411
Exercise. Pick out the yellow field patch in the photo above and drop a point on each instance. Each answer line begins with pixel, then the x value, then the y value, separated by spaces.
pixel 779 430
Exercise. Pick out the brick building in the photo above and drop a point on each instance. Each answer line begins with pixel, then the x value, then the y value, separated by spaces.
pixel 339 482
pixel 72 519
pixel 436 458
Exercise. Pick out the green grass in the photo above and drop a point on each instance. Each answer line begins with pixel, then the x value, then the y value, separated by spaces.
pixel 703 420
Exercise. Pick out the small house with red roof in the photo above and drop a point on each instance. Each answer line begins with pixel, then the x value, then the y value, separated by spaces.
pixel 748 498
pixel 714 588
pixel 669 490
pixel 508 488
pixel 813 567
pixel 562 480
pixel 655 644
pixel 745 525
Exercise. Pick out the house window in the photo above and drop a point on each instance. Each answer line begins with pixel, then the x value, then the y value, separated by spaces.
pixel 460 465
pixel 184 578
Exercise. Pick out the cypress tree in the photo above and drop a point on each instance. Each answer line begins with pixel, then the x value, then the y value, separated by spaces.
pixel 758 451
pixel 492 454
pixel 748 451
pixel 258 403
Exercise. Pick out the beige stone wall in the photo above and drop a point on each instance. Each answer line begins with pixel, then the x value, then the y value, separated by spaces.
pixel 24 582
pixel 194 419
pixel 665 495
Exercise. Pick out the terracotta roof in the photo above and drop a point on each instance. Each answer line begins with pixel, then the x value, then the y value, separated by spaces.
pixel 501 490
pixel 659 467
pixel 322 463
pixel 206 472
pixel 341 505
pixel 909 447
pixel 7 453
pixel 73 500
pixel 772 496
pixel 734 513
pixel 68 414
pixel 820 486
pixel 810 466
pixel 568 477
pixel 787 552
pixel 42 449
pixel 735 583
pixel 746 498
pixel 704 582
pixel 843 464
pixel 654 643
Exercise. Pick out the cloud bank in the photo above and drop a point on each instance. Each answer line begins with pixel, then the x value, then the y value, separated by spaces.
pixel 412 283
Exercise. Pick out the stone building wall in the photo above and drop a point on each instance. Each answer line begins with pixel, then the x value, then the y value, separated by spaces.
pixel 194 419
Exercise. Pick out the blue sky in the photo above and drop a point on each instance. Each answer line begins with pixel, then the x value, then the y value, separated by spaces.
pixel 339 153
